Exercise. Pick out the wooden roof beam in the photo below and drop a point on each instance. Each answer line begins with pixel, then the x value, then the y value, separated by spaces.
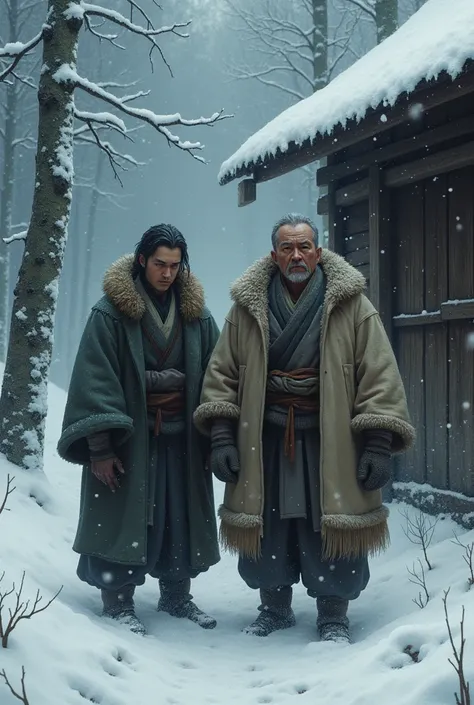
pixel 429 95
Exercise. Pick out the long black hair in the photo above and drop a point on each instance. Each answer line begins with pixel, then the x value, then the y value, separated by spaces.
pixel 162 235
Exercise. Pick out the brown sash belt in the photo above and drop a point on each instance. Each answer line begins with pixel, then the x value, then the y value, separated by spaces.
pixel 292 402
pixel 162 405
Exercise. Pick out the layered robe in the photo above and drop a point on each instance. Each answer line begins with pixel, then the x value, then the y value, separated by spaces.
pixel 161 521
pixel 291 545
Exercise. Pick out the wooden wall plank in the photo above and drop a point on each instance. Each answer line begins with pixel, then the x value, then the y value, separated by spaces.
pixel 411 466
pixel 461 242
pixel 436 336
pixel 359 241
pixel 461 357
pixel 408 248
pixel 358 257
pixel 461 408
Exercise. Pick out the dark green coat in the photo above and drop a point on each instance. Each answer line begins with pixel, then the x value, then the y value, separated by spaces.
pixel 107 391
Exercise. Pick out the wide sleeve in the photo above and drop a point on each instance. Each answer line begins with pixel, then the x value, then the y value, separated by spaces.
pixel 96 400
pixel 380 401
pixel 221 381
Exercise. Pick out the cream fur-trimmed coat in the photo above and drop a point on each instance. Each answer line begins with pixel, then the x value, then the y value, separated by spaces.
pixel 361 389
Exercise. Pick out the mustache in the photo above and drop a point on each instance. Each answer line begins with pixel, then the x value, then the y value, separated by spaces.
pixel 292 266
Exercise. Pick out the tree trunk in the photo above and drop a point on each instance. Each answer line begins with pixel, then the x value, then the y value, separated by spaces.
pixel 90 238
pixel 320 44
pixel 6 206
pixel 23 403
pixel 386 18
pixel 6 197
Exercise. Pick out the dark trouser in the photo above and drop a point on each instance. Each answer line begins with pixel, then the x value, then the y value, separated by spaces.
pixel 168 538
pixel 290 548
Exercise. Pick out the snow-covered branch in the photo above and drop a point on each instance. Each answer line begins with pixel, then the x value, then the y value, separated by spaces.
pixel 240 73
pixel 14 238
pixel 161 123
pixel 150 33
pixel 16 51
pixel 367 6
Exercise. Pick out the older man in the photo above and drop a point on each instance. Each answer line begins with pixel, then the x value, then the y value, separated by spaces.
pixel 147 503
pixel 304 404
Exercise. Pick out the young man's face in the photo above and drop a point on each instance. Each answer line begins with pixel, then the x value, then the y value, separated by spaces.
pixel 296 253
pixel 162 267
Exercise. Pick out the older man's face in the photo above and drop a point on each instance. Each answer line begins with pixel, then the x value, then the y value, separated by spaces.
pixel 295 254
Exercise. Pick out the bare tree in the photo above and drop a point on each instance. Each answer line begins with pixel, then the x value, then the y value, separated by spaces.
pixel 418 578
pixel 14 135
pixel 21 696
pixel 420 531
pixel 464 697
pixel 21 609
pixel 468 557
pixel 23 403
pixel 384 13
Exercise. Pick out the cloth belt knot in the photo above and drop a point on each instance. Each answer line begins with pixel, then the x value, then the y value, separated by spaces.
pixel 292 402
pixel 164 404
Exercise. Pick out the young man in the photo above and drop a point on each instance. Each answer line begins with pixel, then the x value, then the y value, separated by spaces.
pixel 305 405
pixel 147 504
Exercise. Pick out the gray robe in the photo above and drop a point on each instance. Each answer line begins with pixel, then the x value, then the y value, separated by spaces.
pixel 291 544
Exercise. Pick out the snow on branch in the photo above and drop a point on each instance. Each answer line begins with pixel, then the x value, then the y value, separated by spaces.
pixel 150 33
pixel 161 123
pixel 15 237
pixel 366 6
pixel 16 51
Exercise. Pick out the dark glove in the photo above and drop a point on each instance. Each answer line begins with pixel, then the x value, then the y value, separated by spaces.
pixel 375 464
pixel 224 454
pixel 165 381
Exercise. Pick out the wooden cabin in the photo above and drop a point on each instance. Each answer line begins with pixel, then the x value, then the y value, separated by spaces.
pixel 399 200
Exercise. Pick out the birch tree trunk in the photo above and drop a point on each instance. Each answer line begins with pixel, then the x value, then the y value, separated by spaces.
pixel 8 175
pixel 6 205
pixel 386 18
pixel 23 402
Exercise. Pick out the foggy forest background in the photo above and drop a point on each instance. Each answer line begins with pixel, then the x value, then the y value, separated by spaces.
pixel 230 61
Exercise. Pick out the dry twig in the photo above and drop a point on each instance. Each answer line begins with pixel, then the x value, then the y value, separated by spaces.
pixel 8 492
pixel 21 609
pixel 419 578
pixel 464 697
pixel 22 697
pixel 420 531
pixel 468 557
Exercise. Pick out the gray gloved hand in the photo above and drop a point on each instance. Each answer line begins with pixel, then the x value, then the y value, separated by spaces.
pixel 224 460
pixel 375 464
pixel 165 381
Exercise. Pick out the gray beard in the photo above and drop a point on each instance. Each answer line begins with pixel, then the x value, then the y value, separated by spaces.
pixel 297 277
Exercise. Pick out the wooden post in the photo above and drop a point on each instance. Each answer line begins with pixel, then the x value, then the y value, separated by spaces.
pixel 335 224
pixel 247 192
pixel 381 284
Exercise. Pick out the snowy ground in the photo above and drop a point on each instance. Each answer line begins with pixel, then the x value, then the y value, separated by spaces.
pixel 72 657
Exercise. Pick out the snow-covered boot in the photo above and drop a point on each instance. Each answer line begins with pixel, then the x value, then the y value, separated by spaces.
pixel 119 605
pixel 177 601
pixel 333 624
pixel 275 612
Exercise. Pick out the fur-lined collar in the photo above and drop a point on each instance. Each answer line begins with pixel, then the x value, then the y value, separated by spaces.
pixel 250 291
pixel 120 288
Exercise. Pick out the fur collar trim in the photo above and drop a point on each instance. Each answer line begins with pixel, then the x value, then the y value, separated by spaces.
pixel 250 291
pixel 120 288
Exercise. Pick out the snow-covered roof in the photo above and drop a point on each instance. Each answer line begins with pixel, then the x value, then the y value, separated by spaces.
pixel 439 37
